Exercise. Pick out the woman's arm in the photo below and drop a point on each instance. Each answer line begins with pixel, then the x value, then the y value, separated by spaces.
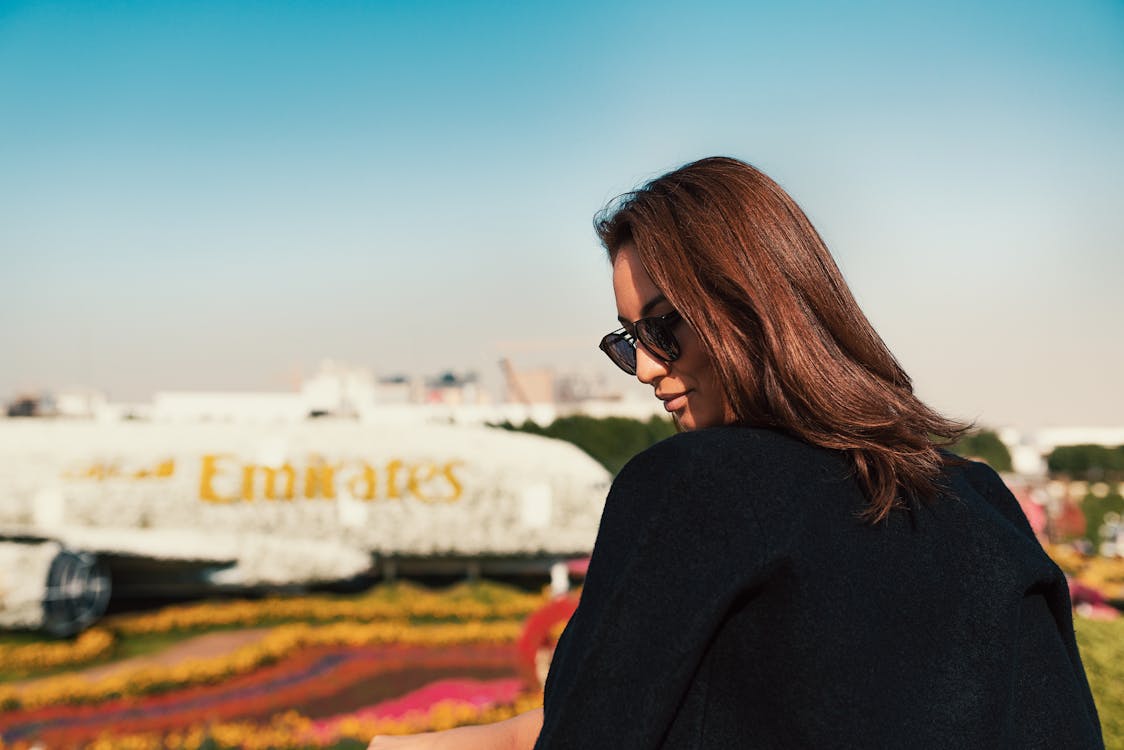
pixel 516 733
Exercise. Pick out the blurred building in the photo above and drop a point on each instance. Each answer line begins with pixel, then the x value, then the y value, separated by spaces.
pixel 452 389
pixel 80 402
pixel 1029 448
pixel 31 405
pixel 228 406
pixel 540 394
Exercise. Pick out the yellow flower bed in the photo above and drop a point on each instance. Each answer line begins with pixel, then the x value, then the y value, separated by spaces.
pixel 400 601
pixel 282 641
pixel 1067 558
pixel 92 644
pixel 292 730
pixel 397 602
pixel 1106 574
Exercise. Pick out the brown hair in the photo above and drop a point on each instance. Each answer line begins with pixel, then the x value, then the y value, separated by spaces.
pixel 740 261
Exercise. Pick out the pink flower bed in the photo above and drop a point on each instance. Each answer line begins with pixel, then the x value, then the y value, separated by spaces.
pixel 476 693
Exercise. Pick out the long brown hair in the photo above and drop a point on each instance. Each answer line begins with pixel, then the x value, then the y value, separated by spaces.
pixel 740 261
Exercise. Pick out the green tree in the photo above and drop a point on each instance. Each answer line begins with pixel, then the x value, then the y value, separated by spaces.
pixel 1089 462
pixel 612 441
pixel 1094 508
pixel 985 445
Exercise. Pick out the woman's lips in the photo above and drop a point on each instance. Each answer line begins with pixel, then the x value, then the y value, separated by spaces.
pixel 674 403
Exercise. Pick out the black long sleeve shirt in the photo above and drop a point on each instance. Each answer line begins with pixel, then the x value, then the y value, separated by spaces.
pixel 735 599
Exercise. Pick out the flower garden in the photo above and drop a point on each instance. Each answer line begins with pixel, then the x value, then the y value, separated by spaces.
pixel 318 671
pixel 333 671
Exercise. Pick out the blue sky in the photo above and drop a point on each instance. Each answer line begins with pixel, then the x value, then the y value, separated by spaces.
pixel 214 195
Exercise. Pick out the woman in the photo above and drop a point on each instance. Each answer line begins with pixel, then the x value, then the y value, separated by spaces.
pixel 803 566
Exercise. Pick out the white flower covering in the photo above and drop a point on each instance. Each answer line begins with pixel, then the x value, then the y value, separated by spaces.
pixel 341 491
pixel 23 582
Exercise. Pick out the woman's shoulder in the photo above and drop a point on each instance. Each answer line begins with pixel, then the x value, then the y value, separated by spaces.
pixel 736 453
pixel 968 478
pixel 746 477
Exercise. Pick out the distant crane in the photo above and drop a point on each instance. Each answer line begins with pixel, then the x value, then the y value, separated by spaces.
pixel 512 379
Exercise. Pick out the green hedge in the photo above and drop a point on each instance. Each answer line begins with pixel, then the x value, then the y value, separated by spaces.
pixel 612 441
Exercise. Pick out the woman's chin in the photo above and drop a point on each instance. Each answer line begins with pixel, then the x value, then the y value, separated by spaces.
pixel 684 420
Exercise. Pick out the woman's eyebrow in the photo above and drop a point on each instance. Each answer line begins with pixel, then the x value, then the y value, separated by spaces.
pixel 647 308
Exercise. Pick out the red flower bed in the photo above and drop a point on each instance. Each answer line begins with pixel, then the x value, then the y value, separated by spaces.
pixel 312 676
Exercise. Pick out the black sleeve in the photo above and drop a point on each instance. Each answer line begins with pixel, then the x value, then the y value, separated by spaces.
pixel 988 482
pixel 678 543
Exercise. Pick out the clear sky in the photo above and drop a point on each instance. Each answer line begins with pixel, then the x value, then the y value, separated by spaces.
pixel 206 195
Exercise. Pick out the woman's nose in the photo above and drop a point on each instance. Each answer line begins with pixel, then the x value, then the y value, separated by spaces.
pixel 648 366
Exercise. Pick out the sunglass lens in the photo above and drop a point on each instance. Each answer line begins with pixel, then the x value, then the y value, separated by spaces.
pixel 621 351
pixel 656 334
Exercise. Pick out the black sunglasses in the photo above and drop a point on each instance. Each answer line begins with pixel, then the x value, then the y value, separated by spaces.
pixel 654 333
